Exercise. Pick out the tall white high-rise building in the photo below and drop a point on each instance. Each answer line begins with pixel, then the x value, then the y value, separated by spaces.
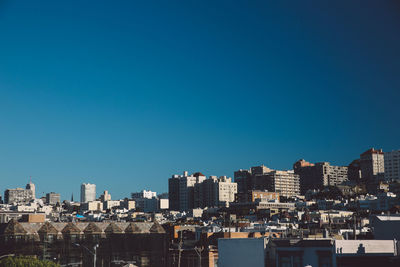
pixel 392 165
pixel 31 186
pixel 88 192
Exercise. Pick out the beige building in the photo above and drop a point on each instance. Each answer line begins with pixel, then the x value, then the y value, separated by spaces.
pixel 163 204
pixel 105 196
pixel 372 165
pixel 128 204
pixel 262 178
pixel 226 191
pixel 286 183
pixel 109 204
pixel 314 176
pixel 92 206
pixel 18 195
pixel 215 192
pixel 181 190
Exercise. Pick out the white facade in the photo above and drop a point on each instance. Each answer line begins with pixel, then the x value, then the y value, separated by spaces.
pixel 163 204
pixel 88 192
pixel 186 191
pixel 286 183
pixel 31 186
pixel 392 165
pixel 144 194
pixel 215 192
pixel 92 206
pixel 226 191
pixel 357 247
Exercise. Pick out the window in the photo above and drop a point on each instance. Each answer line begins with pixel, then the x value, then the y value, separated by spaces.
pixel 290 259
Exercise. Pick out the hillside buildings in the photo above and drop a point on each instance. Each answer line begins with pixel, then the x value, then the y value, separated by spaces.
pixel 144 194
pixel 88 192
pixel 148 201
pixel 17 195
pixel 20 195
pixel 257 195
pixel 181 190
pixel 286 183
pixel 372 165
pixel 192 191
pixel 52 198
pixel 215 192
pixel 318 175
pixel 31 186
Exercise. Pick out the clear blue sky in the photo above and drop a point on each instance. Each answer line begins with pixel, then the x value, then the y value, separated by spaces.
pixel 126 93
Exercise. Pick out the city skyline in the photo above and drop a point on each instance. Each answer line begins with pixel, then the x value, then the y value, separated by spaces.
pixel 186 172
pixel 123 96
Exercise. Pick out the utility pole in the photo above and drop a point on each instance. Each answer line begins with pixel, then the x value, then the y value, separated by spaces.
pixel 180 250
pixel 93 253
pixel 354 226
pixel 198 251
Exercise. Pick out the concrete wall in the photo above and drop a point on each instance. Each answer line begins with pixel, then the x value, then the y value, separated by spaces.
pixel 241 252
pixel 359 247
pixel 386 227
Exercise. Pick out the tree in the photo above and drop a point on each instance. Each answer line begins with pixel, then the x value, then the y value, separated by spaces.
pixel 26 261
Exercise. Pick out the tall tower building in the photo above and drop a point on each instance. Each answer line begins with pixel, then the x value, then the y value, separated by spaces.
pixel 88 192
pixel 215 192
pixel 181 190
pixel 31 186
pixel 392 165
pixel 372 165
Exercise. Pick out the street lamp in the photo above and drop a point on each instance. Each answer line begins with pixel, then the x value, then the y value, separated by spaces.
pixel 91 252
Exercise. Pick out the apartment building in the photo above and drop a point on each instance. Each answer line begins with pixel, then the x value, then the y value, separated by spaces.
pixel 392 165
pixel 18 195
pixel 286 183
pixel 181 190
pixel 215 192
pixel 144 194
pixel 192 191
pixel 88 192
pixel 52 198
pixel 372 165
pixel 313 176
